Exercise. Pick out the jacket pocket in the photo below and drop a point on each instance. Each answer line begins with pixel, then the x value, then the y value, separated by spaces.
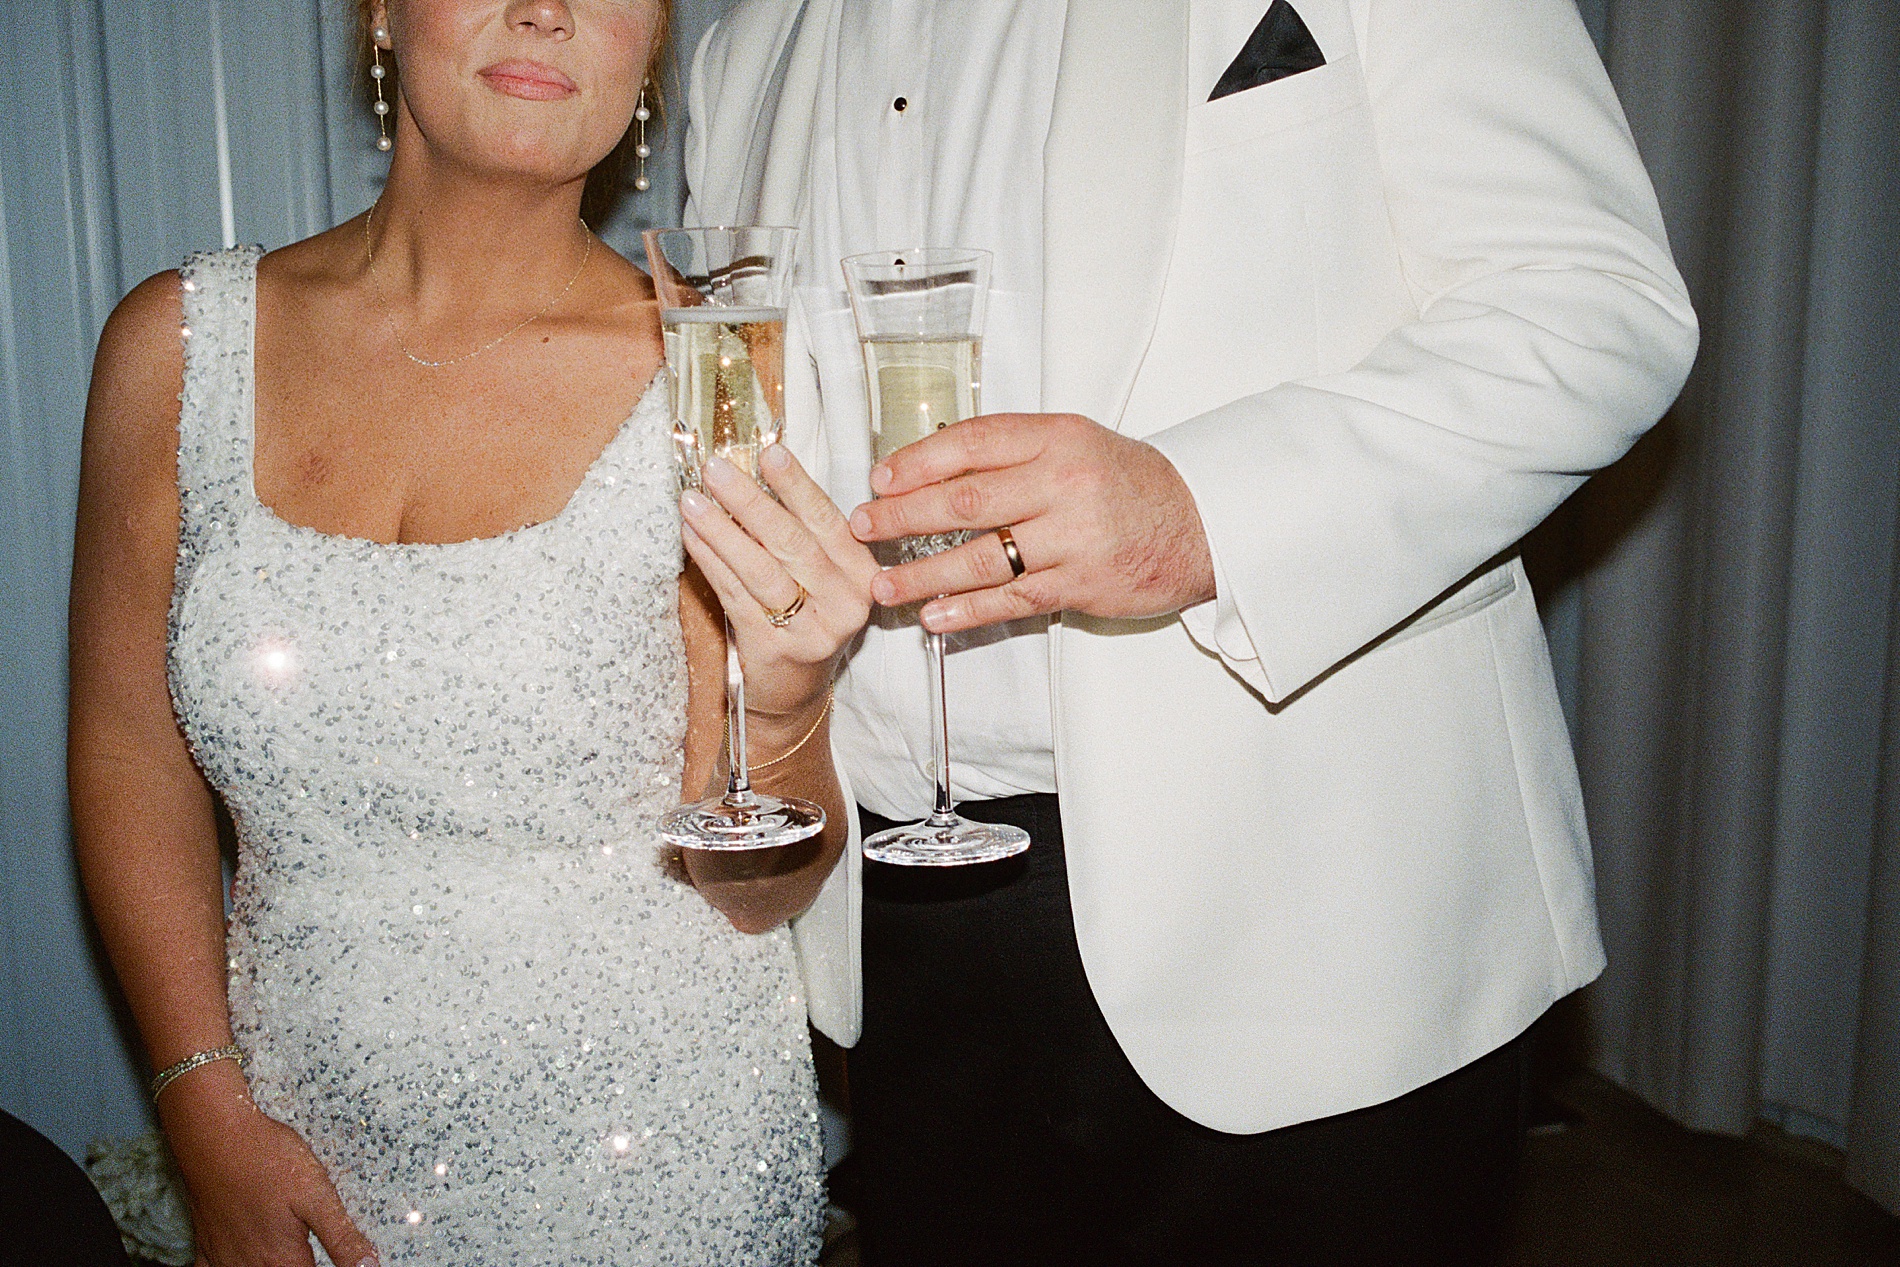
pixel 1272 108
pixel 1493 587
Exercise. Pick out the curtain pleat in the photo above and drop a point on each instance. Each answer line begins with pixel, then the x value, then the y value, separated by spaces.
pixel 1873 1142
pixel 1865 139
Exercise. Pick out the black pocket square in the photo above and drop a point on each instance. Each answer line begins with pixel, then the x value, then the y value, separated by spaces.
pixel 1280 46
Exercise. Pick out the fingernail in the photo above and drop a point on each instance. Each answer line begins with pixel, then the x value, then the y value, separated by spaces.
pixel 880 478
pixel 718 471
pixel 860 524
pixel 695 504
pixel 883 589
pixel 776 457
pixel 936 616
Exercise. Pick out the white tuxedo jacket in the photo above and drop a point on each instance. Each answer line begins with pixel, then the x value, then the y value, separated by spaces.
pixel 1324 834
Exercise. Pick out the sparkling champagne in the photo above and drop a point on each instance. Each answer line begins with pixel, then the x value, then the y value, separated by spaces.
pixel 728 382
pixel 919 315
pixel 919 386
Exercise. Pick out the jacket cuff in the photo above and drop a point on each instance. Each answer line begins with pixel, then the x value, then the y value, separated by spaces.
pixel 1215 625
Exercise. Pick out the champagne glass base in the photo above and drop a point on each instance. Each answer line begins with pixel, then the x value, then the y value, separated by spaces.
pixel 755 821
pixel 953 844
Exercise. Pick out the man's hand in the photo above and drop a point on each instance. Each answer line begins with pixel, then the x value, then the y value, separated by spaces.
pixel 1104 524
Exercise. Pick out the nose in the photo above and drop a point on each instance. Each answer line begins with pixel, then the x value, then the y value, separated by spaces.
pixel 550 18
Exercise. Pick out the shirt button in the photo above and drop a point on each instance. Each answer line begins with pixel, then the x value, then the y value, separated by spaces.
pixel 901 104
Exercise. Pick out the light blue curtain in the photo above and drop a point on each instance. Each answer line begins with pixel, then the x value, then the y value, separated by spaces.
pixel 140 130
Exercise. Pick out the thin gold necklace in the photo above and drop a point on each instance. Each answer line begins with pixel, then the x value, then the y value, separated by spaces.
pixel 389 311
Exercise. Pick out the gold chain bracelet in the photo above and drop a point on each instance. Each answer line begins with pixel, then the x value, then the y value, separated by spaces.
pixel 165 1077
pixel 793 750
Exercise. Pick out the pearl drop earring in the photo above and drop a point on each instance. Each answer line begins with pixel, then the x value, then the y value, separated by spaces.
pixel 641 150
pixel 376 74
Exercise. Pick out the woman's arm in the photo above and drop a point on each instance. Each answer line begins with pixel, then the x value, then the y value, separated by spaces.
pixel 143 818
pixel 743 547
pixel 756 889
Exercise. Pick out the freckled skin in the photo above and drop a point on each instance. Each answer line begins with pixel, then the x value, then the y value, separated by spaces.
pixel 315 469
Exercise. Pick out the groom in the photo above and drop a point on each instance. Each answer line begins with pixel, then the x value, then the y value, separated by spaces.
pixel 1304 313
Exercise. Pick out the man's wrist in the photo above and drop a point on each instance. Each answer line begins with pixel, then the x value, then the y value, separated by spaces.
pixel 1193 561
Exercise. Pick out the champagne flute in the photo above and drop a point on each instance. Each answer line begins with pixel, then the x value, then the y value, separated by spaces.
pixel 920 322
pixel 722 296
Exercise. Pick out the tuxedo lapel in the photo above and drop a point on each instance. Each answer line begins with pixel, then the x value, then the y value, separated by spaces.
pixel 786 119
pixel 1111 193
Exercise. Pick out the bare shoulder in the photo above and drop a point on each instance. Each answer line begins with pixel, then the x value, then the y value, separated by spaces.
pixel 128 482
pixel 137 374
pixel 145 324
pixel 295 274
pixel 626 292
pixel 621 317
pixel 625 272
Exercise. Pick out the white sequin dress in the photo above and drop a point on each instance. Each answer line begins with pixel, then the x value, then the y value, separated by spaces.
pixel 458 965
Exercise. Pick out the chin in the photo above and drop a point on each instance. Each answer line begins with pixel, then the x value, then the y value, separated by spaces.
pixel 537 158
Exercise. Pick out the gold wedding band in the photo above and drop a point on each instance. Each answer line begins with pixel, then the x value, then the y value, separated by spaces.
pixel 783 616
pixel 1016 565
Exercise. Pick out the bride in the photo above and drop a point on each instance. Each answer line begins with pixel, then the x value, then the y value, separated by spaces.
pixel 378 542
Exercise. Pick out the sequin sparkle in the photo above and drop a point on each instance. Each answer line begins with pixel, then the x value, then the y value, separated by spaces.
pixel 458 963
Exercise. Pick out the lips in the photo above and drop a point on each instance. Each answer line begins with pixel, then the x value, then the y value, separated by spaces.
pixel 530 81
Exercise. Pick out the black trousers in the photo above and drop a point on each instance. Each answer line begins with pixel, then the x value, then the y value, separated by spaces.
pixel 998 1122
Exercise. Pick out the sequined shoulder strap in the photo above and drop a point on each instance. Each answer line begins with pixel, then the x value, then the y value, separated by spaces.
pixel 214 417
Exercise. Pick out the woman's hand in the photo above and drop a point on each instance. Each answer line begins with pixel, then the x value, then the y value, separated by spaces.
pixel 757 554
pixel 255 1189
pixel 753 554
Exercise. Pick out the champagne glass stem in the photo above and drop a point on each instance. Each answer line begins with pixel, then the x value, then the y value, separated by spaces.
pixel 738 772
pixel 944 815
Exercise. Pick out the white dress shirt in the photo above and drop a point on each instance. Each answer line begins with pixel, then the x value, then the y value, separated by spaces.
pixel 933 136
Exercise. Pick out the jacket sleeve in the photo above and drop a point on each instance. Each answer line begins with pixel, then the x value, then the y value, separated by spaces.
pixel 1551 330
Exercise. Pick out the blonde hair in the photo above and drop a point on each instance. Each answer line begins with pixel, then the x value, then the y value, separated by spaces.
pixel 604 184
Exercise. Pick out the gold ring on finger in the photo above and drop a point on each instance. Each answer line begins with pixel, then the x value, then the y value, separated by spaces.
pixel 1016 565
pixel 782 616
